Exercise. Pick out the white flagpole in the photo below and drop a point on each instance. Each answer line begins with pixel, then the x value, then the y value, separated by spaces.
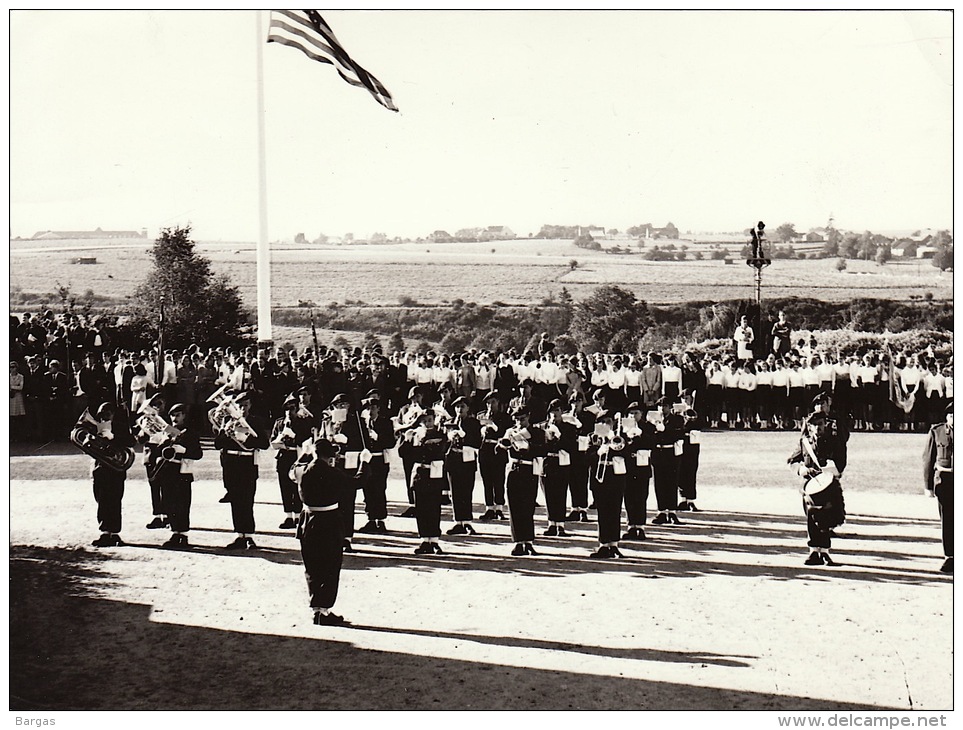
pixel 264 335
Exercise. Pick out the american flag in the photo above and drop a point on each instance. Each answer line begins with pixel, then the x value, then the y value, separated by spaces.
pixel 307 31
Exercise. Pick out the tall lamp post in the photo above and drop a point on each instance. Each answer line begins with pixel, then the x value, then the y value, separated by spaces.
pixel 758 261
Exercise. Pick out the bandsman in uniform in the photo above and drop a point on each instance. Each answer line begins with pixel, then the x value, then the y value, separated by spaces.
pixel 343 425
pixel 320 527
pixel 289 432
pixel 561 441
pixel 689 462
pixel 108 423
pixel 938 479
pixel 608 484
pixel 578 473
pixel 380 439
pixel 820 458
pixel 175 472
pixel 155 408
pixel 524 443
pixel 239 445
pixel 428 447
pixel 666 455
pixel 465 439
pixel 407 419
pixel 639 435
pixel 493 461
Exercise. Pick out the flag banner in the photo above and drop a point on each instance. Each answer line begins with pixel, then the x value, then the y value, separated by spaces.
pixel 307 31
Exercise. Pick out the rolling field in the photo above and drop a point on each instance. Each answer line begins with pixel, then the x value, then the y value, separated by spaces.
pixel 513 272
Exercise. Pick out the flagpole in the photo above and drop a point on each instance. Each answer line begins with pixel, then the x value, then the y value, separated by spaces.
pixel 264 335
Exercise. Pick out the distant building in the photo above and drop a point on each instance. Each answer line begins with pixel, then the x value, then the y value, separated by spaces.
pixel 98 233
pixel 497 233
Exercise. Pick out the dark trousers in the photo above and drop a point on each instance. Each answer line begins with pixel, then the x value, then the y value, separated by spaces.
pixel 427 501
pixel 461 476
pixel 177 500
pixel 637 493
pixel 408 464
pixel 109 493
pixel 555 484
pixel 608 504
pixel 321 535
pixel 491 464
pixel 376 488
pixel 240 481
pixel 522 492
pixel 578 478
pixel 290 499
pixel 688 469
pixel 819 537
pixel 665 471
pixel 944 494
pixel 156 495
pixel 346 505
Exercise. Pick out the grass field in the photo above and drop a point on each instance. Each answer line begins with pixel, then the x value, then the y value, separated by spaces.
pixel 513 272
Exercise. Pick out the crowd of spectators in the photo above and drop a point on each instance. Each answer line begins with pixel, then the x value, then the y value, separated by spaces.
pixel 61 365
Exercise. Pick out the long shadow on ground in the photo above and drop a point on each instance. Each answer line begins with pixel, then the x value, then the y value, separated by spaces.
pixel 71 650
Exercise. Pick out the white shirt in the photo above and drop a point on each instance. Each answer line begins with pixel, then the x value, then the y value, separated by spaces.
pixel 616 379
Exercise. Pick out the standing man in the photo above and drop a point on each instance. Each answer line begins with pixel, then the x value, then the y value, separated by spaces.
pixel 108 481
pixel 175 472
pixel 428 447
pixel 561 441
pixel 465 440
pixel 320 528
pixel 666 457
pixel 938 479
pixel 781 336
pixel 491 460
pixel 820 459
pixel 239 445
pixel 380 439
pixel 524 443
pixel 288 433
pixel 639 438
pixel 608 485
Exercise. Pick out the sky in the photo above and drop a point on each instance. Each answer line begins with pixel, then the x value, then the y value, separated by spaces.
pixel 710 120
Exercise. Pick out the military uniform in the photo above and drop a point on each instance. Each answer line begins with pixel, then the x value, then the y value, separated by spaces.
pixel 561 441
pixel 289 432
pixel 524 445
pixel 380 438
pixel 492 461
pixel 640 442
pixel 428 483
pixel 824 504
pixel 666 457
pixel 608 489
pixel 938 479
pixel 465 438
pixel 175 474
pixel 108 483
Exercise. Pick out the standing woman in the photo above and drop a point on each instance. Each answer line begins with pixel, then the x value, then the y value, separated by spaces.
pixel 731 393
pixel 138 388
pixel 671 377
pixel 747 388
pixel 779 392
pixel 633 381
pixel 764 399
pixel 715 380
pixel 17 409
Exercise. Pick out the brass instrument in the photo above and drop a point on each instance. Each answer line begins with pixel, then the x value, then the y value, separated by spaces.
pixel 86 436
pixel 151 423
pixel 515 437
pixel 408 419
pixel 227 416
pixel 606 443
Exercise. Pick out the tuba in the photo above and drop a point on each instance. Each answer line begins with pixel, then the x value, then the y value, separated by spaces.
pixel 86 437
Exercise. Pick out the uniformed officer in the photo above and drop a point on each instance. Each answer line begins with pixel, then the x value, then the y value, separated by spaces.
pixel 578 477
pixel 938 479
pixel 465 438
pixel 343 426
pixel 406 420
pixel 666 455
pixel 820 458
pixel 175 473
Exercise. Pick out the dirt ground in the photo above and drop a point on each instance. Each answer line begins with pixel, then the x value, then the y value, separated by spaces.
pixel 717 614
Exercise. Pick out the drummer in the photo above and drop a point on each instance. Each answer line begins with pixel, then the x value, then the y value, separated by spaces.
pixel 820 458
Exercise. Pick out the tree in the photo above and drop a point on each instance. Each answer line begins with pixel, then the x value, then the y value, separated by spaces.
pixel 884 254
pixel 831 247
pixel 572 265
pixel 321 239
pixel 599 319
pixel 199 307
pixel 943 258
pixel 786 232
pixel 840 264
pixel 299 238
pixel 396 343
